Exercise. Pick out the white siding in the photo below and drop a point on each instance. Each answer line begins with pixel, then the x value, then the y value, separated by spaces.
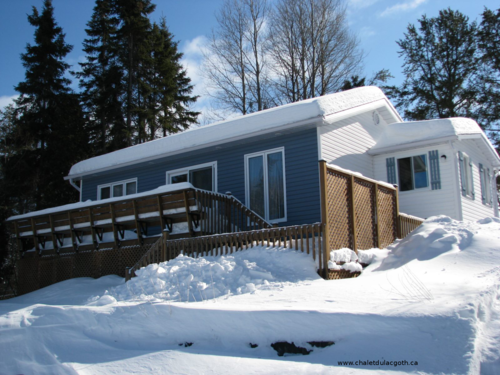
pixel 474 209
pixel 345 143
pixel 426 202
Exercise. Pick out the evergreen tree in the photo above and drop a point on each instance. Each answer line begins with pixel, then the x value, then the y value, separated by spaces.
pixel 133 34
pixel 169 86
pixel 49 127
pixel 441 65
pixel 489 45
pixel 101 81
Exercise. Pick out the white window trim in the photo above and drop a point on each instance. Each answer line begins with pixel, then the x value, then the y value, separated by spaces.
pixel 266 187
pixel 485 182
pixel 469 176
pixel 179 171
pixel 428 187
pixel 110 185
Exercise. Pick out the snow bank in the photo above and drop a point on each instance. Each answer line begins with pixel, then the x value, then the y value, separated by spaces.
pixel 186 279
pixel 433 298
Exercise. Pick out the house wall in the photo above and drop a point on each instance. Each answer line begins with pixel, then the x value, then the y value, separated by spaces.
pixel 345 143
pixel 301 171
pixel 426 202
pixel 474 209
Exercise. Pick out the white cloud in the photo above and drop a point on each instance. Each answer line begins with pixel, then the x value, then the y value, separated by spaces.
pixel 6 100
pixel 366 32
pixel 402 7
pixel 360 4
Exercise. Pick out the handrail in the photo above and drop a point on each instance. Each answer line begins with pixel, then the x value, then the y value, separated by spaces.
pixel 407 224
pixel 305 238
pixel 185 212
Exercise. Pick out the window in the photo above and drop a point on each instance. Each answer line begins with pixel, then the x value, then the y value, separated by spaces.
pixel 466 175
pixel 203 176
pixel 412 173
pixel 485 176
pixel 117 189
pixel 265 184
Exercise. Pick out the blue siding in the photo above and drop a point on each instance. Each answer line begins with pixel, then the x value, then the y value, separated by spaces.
pixel 301 168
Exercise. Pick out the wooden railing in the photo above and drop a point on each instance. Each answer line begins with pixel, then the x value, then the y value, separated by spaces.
pixel 304 238
pixel 407 223
pixel 181 213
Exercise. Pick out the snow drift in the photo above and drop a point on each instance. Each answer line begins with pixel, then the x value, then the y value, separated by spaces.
pixel 429 304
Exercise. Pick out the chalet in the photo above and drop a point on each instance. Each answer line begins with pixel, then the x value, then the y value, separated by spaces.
pixel 322 174
pixel 269 160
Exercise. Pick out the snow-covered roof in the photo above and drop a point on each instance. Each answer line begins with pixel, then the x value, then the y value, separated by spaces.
pixel 295 114
pixel 401 135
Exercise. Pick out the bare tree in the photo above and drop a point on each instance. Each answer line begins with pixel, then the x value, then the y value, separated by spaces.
pixel 235 60
pixel 312 49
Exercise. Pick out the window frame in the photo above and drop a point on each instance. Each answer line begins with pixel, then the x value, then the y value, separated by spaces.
pixel 485 181
pixel 115 183
pixel 427 173
pixel 266 183
pixel 468 176
pixel 186 170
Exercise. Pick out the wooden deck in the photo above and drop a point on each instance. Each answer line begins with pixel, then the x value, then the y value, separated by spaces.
pixel 178 214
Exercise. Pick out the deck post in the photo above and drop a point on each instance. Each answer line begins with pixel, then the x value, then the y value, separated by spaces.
pixel 396 213
pixel 377 221
pixel 188 216
pixel 353 215
pixel 324 218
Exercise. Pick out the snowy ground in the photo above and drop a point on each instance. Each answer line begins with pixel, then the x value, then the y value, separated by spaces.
pixel 433 298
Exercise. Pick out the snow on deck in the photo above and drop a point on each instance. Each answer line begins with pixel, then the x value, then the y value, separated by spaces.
pixel 220 132
pixel 89 203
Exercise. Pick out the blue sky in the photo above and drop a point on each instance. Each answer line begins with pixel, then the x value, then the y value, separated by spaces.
pixel 378 24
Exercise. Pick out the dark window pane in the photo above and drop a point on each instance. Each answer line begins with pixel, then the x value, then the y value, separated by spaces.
pixel 179 178
pixel 118 190
pixel 131 188
pixel 405 174
pixel 275 182
pixel 420 171
pixel 256 184
pixel 105 192
pixel 201 178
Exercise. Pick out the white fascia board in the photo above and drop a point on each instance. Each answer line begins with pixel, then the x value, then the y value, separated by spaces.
pixel 313 121
pixel 412 145
pixel 351 112
pixel 495 159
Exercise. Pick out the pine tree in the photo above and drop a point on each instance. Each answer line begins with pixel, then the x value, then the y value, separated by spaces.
pixel 170 88
pixel 441 65
pixel 489 45
pixel 133 35
pixel 101 81
pixel 49 133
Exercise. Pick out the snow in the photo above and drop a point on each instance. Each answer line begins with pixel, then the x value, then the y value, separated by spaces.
pixel 257 123
pixel 433 297
pixel 348 171
pixel 90 203
pixel 404 133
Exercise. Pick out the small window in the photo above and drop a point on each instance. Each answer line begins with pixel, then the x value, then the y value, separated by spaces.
pixel 265 184
pixel 203 176
pixel 412 173
pixel 117 189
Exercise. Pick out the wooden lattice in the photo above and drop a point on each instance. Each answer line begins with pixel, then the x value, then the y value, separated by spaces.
pixel 364 209
pixel 387 216
pixel 342 274
pixel 339 217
